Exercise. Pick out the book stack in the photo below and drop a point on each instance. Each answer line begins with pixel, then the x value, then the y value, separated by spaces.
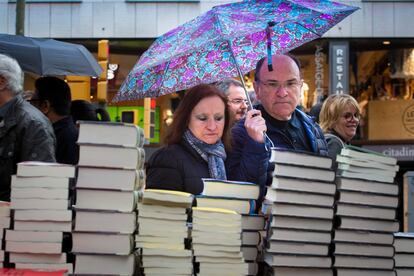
pixel 40 203
pixel 163 231
pixel 253 233
pixel 216 242
pixel 110 176
pixel 365 212
pixel 4 224
pixel 404 253
pixel 239 197
pixel 300 206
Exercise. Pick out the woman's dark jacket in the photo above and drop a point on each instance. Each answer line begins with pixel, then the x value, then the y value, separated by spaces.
pixel 177 167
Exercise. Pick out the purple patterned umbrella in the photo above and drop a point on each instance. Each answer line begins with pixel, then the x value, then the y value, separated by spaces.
pixel 227 41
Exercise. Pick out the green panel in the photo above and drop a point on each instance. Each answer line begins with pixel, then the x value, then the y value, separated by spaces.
pixel 115 113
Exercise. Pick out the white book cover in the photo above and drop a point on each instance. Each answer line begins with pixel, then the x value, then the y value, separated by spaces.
pixel 36 168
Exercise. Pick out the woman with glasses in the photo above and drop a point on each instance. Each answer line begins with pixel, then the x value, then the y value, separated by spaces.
pixel 339 119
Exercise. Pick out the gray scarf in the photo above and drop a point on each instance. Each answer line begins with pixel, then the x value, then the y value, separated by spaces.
pixel 214 155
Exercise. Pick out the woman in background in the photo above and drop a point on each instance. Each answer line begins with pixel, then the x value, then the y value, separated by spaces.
pixel 196 143
pixel 339 119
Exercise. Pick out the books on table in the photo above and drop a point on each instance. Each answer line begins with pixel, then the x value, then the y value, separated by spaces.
pixel 210 223
pixel 404 253
pixel 5 222
pixel 230 189
pixel 110 179
pixel 300 206
pixel 365 213
pixel 111 133
pixel 40 198
pixel 163 232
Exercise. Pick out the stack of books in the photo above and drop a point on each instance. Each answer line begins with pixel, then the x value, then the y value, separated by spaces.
pixel 299 204
pixel 110 176
pixel 240 197
pixel 365 212
pixel 216 242
pixel 40 202
pixel 404 253
pixel 4 224
pixel 163 232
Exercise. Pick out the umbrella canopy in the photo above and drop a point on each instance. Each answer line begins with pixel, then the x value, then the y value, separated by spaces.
pixel 213 46
pixel 49 56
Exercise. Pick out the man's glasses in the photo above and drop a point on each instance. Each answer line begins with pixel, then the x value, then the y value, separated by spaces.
pixel 238 101
pixel 276 85
pixel 348 116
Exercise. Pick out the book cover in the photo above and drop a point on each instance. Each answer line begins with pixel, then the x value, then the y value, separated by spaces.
pixel 363 185
pixel 110 200
pixel 345 261
pixel 310 173
pixel 39 182
pixel 363 237
pixel 358 249
pixel 303 185
pixel 294 197
pixel 37 168
pixel 109 156
pixel 301 158
pixel 105 264
pixel 298 248
pixel 365 224
pixel 118 244
pixel 241 206
pixel 230 189
pixel 108 178
pixel 302 223
pixel 369 199
pixel 279 260
pixel 110 133
pixel 365 154
pixel 167 198
pixel 364 211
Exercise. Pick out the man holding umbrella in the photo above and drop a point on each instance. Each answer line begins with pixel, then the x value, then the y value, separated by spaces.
pixel 278 90
pixel 25 134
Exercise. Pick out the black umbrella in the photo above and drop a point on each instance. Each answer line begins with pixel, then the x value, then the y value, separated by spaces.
pixel 49 57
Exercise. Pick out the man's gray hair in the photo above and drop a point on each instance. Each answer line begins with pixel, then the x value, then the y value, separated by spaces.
pixel 11 71
pixel 224 86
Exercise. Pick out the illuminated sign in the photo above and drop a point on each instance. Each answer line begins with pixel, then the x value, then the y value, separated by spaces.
pixel 339 67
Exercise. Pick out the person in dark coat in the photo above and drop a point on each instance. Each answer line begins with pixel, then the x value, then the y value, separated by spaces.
pixel 82 110
pixel 339 119
pixel 278 91
pixel 53 98
pixel 25 133
pixel 195 144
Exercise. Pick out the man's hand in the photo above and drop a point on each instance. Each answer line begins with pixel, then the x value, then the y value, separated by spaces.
pixel 255 125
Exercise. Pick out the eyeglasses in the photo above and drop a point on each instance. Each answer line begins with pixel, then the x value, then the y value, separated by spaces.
pixel 348 116
pixel 239 101
pixel 288 85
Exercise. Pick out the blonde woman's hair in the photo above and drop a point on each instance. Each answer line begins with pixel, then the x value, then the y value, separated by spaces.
pixel 332 109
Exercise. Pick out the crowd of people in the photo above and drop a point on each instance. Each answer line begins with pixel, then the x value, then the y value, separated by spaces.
pixel 214 133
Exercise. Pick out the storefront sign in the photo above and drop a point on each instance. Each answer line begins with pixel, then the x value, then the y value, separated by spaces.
pixel 403 152
pixel 339 67
pixel 319 61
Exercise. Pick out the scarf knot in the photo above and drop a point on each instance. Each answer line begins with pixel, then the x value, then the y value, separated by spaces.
pixel 213 154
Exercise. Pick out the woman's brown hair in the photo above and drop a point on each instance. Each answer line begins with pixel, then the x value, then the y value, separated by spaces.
pixel 181 117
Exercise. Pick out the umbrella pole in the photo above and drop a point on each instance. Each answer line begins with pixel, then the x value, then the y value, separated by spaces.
pixel 250 105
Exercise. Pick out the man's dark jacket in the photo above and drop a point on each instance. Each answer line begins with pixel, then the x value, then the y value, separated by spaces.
pixel 249 160
pixel 67 150
pixel 25 135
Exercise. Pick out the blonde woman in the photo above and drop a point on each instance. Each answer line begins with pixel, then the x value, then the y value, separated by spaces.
pixel 339 119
